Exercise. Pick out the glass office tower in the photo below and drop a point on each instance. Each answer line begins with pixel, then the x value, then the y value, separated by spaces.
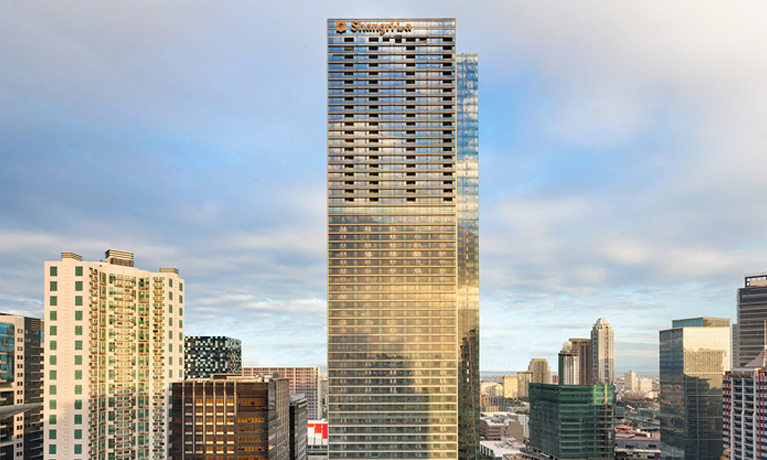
pixel 694 356
pixel 403 281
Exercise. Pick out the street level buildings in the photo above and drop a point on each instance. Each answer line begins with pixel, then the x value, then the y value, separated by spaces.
pixel 114 344
pixel 21 383
pixel 571 422
pixel 403 284
pixel 602 352
pixel 231 417
pixel 745 405
pixel 752 314
pixel 694 356
pixel 205 356
pixel 301 380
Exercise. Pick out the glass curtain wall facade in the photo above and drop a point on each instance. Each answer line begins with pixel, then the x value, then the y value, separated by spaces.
pixel 403 298
pixel 694 356
pixel 571 422
pixel 752 313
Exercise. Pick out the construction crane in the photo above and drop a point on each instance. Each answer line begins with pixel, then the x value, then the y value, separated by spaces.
pixel 629 409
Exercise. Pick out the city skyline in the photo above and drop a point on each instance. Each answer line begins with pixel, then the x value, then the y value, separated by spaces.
pixel 620 149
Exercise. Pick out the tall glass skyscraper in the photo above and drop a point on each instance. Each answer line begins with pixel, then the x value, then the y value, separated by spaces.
pixel 403 281
pixel 694 356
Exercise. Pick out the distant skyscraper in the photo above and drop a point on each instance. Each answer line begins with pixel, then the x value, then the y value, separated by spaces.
pixel 540 369
pixel 735 345
pixel 602 352
pixel 231 418
pixel 525 378
pixel 302 380
pixel 403 279
pixel 752 313
pixel 510 386
pixel 21 382
pixel 205 356
pixel 630 382
pixel 745 403
pixel 569 365
pixel 694 355
pixel 115 343
pixel 571 422
pixel 586 372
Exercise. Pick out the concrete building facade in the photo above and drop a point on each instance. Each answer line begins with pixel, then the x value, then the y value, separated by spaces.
pixel 301 380
pixel 114 344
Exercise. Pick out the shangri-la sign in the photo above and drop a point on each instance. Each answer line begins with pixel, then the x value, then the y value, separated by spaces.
pixel 381 28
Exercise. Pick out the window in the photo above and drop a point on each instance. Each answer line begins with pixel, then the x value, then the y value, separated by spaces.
pixel 54 315
pixel 78 389
pixel 52 449
pixel 54 286
pixel 78 271
pixel 78 375
pixel 78 405
pixel 170 321
pixel 52 419
pixel 78 300
pixel 54 271
pixel 180 323
pixel 78 285
pixel 170 308
pixel 53 330
pixel 170 282
pixel 78 344
pixel 52 375
pixel 181 287
pixel 78 315
pixel 52 404
pixel 180 299
pixel 52 360
pixel 78 419
pixel 78 359
pixel 78 330
pixel 78 448
pixel 52 344
pixel 51 434
pixel 52 390
pixel 170 295
pixel 53 301
pixel 181 311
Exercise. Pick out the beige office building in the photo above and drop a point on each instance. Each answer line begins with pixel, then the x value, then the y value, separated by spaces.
pixel 403 281
pixel 510 386
pixel 114 344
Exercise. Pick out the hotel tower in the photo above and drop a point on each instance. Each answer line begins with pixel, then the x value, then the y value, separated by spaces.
pixel 403 280
pixel 114 343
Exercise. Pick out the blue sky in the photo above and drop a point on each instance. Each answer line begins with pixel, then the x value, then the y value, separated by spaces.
pixel 622 173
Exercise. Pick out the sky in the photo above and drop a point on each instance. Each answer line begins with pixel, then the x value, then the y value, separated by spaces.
pixel 623 161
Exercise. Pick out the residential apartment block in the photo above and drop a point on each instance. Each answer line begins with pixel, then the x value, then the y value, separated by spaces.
pixel 114 344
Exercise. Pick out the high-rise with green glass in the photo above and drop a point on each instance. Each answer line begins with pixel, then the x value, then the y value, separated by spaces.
pixel 403 281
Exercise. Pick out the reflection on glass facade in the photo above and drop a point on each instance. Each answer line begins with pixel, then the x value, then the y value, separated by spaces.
pixel 205 356
pixel 694 355
pixel 403 299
